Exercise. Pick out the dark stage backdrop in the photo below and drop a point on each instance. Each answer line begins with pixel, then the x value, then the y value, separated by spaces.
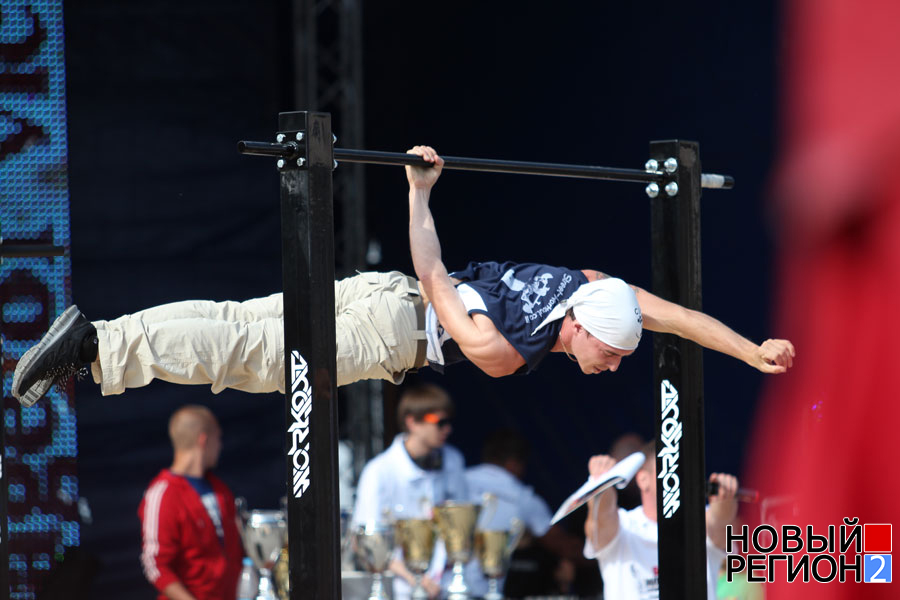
pixel 163 207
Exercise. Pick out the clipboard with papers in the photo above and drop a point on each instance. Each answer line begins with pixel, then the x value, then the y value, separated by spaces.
pixel 618 476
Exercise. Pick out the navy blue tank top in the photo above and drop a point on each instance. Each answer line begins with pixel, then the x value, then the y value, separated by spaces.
pixel 517 297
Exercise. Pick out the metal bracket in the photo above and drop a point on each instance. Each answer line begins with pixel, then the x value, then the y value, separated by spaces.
pixel 294 157
pixel 667 172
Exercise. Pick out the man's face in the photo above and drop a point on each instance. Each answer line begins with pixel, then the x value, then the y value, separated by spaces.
pixel 646 478
pixel 213 448
pixel 593 355
pixel 433 430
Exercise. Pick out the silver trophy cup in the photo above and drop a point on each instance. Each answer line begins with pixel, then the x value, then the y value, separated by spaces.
pixel 264 533
pixel 373 546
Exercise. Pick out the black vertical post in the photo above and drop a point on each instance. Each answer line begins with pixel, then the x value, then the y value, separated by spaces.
pixel 678 378
pixel 307 233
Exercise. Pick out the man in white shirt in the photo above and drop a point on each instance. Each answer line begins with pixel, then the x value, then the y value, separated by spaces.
pixel 505 455
pixel 417 471
pixel 624 542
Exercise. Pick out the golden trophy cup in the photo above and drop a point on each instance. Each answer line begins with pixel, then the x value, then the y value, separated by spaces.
pixel 282 575
pixel 456 525
pixel 494 549
pixel 416 538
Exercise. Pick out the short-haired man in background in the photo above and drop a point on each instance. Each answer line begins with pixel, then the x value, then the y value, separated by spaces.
pixel 191 543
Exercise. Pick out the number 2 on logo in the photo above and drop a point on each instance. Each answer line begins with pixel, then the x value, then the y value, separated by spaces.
pixel 883 561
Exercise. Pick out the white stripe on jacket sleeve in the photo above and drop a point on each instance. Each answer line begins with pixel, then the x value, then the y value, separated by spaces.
pixel 152 501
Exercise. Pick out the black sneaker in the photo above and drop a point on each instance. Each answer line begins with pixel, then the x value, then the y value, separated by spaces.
pixel 65 350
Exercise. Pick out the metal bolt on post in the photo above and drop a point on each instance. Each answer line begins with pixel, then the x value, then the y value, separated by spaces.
pixel 671 188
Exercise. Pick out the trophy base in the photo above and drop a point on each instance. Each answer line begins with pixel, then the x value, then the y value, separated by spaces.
pixel 457 590
pixel 266 589
pixel 419 592
pixel 358 584
pixel 493 592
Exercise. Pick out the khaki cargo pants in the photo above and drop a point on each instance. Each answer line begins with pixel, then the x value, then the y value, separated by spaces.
pixel 240 345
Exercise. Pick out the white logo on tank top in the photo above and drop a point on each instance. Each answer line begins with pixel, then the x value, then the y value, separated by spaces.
pixel 533 291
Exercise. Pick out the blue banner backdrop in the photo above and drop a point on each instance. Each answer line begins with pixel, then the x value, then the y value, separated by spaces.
pixel 40 442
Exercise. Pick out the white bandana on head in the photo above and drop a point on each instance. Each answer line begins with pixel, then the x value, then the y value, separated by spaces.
pixel 607 309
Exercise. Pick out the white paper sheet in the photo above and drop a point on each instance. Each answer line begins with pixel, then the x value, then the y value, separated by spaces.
pixel 618 476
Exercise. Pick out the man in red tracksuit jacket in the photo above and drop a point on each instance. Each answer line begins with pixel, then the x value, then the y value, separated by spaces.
pixel 191 544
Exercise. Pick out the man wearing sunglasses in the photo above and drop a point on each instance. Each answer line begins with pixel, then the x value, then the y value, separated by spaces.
pixel 418 471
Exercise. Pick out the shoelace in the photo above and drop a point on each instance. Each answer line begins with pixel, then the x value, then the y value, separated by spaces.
pixel 62 373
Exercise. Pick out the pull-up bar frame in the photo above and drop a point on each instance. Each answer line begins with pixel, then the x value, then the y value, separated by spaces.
pixel 293 149
pixel 306 157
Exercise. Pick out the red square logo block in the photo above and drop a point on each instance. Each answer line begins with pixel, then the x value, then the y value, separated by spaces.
pixel 877 537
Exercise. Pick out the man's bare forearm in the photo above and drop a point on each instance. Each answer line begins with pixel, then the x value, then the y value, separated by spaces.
pixel 711 333
pixel 723 508
pixel 602 523
pixel 425 250
pixel 424 246
pixel 398 568
pixel 718 520
pixel 772 356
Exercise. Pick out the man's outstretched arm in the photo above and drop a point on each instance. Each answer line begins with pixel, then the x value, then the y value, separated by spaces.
pixel 478 339
pixel 772 356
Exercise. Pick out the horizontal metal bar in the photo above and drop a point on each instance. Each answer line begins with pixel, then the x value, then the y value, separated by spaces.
pixel 291 149
pixel 285 150
pixel 30 250
pixel 499 166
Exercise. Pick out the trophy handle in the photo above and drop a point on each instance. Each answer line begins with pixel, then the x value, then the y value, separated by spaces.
pixel 426 507
pixel 516 529
pixel 398 533
pixel 488 508
pixel 240 507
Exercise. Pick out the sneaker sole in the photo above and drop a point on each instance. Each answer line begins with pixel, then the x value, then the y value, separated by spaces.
pixel 39 389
